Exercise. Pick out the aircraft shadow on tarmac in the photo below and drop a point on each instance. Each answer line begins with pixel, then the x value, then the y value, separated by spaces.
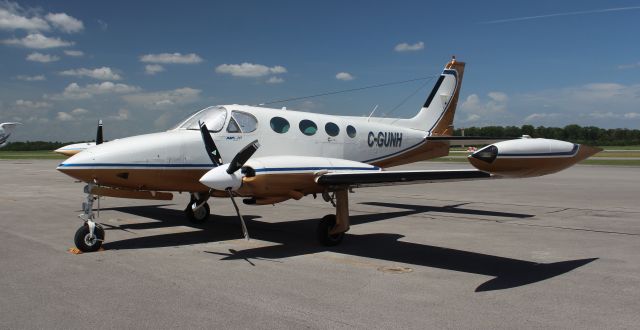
pixel 298 238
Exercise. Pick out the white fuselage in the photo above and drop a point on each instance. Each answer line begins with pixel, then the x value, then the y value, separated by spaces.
pixel 375 139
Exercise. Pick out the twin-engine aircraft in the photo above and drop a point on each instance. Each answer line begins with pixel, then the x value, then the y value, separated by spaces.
pixel 267 156
pixel 5 131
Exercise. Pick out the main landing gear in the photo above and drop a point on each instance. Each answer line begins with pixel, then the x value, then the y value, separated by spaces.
pixel 198 210
pixel 90 235
pixel 331 228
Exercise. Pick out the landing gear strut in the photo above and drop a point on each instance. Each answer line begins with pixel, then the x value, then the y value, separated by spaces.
pixel 90 235
pixel 331 228
pixel 197 211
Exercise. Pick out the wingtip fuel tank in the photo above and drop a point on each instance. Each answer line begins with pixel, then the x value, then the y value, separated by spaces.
pixel 529 157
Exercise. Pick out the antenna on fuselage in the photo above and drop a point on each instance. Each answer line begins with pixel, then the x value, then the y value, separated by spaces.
pixel 372 111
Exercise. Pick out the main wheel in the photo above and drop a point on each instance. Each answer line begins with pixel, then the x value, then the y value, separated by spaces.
pixel 198 216
pixel 324 227
pixel 86 243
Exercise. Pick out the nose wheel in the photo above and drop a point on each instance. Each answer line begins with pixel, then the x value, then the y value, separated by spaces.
pixel 87 241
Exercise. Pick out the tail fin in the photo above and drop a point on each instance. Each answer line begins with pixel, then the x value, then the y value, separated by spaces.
pixel 436 115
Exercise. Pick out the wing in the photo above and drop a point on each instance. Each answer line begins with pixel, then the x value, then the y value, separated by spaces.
pixel 467 140
pixel 387 178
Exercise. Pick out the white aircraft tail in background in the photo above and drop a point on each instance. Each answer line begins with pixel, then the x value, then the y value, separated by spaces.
pixel 5 131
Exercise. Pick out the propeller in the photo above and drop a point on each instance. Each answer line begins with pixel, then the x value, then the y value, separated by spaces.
pixel 226 176
pixel 99 138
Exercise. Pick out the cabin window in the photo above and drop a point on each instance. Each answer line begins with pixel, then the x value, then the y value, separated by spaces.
pixel 332 129
pixel 245 122
pixel 279 125
pixel 351 131
pixel 307 127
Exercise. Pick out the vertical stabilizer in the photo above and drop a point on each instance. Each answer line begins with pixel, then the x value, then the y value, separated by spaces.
pixel 436 115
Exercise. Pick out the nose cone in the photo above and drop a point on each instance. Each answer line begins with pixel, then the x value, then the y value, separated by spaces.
pixel 219 179
pixel 77 165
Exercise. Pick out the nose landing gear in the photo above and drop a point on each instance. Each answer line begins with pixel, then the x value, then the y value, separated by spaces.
pixel 90 235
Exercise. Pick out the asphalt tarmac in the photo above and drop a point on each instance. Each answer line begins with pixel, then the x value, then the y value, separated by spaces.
pixel 561 251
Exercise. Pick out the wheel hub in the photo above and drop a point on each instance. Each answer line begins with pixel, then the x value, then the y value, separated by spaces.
pixel 90 240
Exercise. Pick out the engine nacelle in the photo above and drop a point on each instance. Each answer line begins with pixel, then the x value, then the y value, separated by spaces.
pixel 529 157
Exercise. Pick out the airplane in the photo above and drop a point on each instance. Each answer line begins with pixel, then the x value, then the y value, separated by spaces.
pixel 5 131
pixel 72 149
pixel 267 156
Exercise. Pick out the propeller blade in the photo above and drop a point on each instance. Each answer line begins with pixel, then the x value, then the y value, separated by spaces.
pixel 244 225
pixel 242 157
pixel 212 150
pixel 99 138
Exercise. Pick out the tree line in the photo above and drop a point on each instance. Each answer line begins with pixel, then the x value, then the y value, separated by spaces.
pixel 34 146
pixel 574 133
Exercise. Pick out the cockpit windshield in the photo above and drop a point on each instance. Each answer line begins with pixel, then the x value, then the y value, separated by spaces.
pixel 214 117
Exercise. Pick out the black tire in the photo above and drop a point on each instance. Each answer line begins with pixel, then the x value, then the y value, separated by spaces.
pixel 84 244
pixel 324 226
pixel 199 216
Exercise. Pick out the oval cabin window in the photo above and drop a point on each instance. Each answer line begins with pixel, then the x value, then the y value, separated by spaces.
pixel 279 125
pixel 351 131
pixel 307 127
pixel 332 129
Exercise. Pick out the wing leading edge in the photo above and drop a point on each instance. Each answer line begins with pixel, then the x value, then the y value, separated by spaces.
pixel 386 178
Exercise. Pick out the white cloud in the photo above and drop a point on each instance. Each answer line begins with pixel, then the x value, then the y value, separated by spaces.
pixel 31 78
pixel 42 58
pixel 496 103
pixel 629 66
pixel 103 25
pixel 65 23
pixel 76 92
pixel 163 98
pixel 275 80
pixel 38 41
pixel 405 47
pixel 12 17
pixel 123 114
pixel 79 111
pixel 473 117
pixel 152 69
pixel 103 73
pixel 345 76
pixel 74 53
pixel 63 116
pixel 168 58
pixel 632 115
pixel 32 104
pixel 249 70
pixel 537 117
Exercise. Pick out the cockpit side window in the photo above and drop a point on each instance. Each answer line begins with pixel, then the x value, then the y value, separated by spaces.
pixel 214 117
pixel 245 122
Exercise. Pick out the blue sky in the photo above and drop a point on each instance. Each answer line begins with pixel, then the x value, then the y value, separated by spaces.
pixel 143 65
